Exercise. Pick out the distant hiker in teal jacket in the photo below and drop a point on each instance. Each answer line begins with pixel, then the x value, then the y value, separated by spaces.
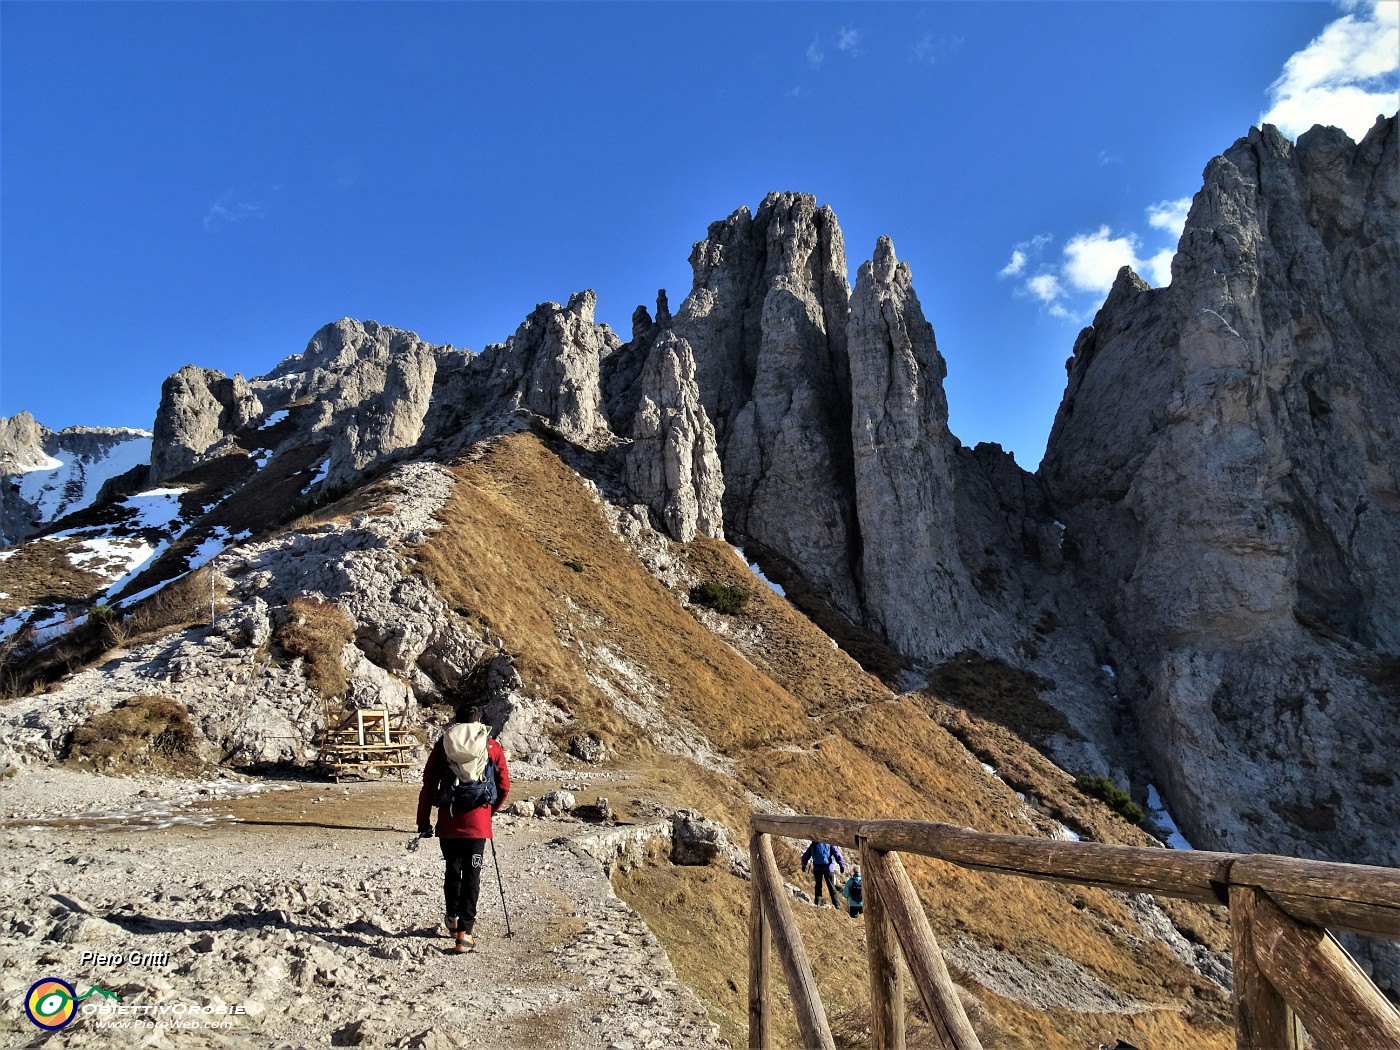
pixel 825 860
pixel 854 892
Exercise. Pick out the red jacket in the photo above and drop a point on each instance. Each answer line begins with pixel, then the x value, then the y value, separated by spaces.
pixel 473 823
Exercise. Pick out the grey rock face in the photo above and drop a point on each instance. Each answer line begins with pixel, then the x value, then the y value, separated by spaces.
pixel 673 464
pixel 766 321
pixel 1227 463
pixel 913 583
pixel 370 386
pixel 200 408
pixel 361 388
pixel 550 368
pixel 696 839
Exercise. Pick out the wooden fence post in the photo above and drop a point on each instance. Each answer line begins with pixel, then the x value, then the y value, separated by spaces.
pixel 1263 1020
pixel 760 957
pixel 806 1000
pixel 1337 1002
pixel 921 952
pixel 886 978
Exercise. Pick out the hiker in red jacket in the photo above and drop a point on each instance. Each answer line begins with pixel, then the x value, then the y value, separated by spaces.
pixel 467 779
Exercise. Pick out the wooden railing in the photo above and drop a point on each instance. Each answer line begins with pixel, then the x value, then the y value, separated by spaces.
pixel 1288 969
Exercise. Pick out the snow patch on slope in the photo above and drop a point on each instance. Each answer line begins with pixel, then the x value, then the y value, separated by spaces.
pixel 1157 810
pixel 69 483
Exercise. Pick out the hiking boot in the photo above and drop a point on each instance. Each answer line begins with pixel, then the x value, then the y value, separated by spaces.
pixel 450 922
pixel 465 942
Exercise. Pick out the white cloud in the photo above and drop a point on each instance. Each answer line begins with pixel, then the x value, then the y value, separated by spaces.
pixel 1092 260
pixel 1072 287
pixel 1015 266
pixel 233 206
pixel 1045 287
pixel 1022 252
pixel 797 92
pixel 1345 77
pixel 1159 268
pixel 930 48
pixel 848 40
pixel 815 54
pixel 1169 215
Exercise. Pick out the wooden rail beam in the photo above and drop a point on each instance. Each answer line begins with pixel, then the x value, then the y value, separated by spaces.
pixel 1263 1021
pixel 1191 874
pixel 760 959
pixel 1287 967
pixel 839 831
pixel 1336 1001
pixel 1356 897
pixel 921 952
pixel 806 1001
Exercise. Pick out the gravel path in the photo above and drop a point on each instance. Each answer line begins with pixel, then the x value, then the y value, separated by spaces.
pixel 303 907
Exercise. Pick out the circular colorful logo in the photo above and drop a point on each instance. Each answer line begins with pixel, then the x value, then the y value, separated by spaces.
pixel 50 1003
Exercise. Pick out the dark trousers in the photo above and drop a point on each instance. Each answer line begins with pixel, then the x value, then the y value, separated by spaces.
pixel 823 875
pixel 462 883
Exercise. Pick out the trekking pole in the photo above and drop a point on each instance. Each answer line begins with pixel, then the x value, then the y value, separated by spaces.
pixel 495 863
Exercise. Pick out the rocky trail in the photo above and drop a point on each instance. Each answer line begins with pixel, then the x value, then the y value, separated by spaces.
pixel 302 904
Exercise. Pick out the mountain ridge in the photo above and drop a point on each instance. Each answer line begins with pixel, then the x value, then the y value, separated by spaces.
pixel 1199 576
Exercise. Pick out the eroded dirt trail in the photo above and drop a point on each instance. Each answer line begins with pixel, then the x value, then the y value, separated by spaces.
pixel 311 914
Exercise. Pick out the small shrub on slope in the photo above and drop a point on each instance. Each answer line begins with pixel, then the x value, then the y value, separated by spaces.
pixel 1109 793
pixel 145 732
pixel 721 597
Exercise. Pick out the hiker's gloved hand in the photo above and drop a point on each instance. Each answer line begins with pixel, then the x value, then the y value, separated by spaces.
pixel 425 831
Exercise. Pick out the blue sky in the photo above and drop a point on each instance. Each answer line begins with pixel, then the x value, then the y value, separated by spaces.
pixel 210 183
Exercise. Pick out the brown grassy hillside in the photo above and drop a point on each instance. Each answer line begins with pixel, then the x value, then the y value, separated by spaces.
pixel 804 726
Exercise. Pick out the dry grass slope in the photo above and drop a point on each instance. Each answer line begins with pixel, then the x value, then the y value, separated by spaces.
pixel 806 727
pixel 318 631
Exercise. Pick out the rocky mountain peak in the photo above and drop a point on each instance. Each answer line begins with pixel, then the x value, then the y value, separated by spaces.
pixel 550 368
pixel 883 264
pixel 766 320
pixel 21 443
pixel 1204 562
pixel 1227 467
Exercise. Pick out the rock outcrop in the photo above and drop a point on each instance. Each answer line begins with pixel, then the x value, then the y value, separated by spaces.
pixel 550 369
pixel 368 386
pixel 200 409
pixel 1227 465
pixel 673 463
pixel 361 389
pixel 22 444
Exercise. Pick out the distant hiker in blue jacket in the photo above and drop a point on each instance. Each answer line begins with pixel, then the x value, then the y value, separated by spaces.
pixel 825 860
